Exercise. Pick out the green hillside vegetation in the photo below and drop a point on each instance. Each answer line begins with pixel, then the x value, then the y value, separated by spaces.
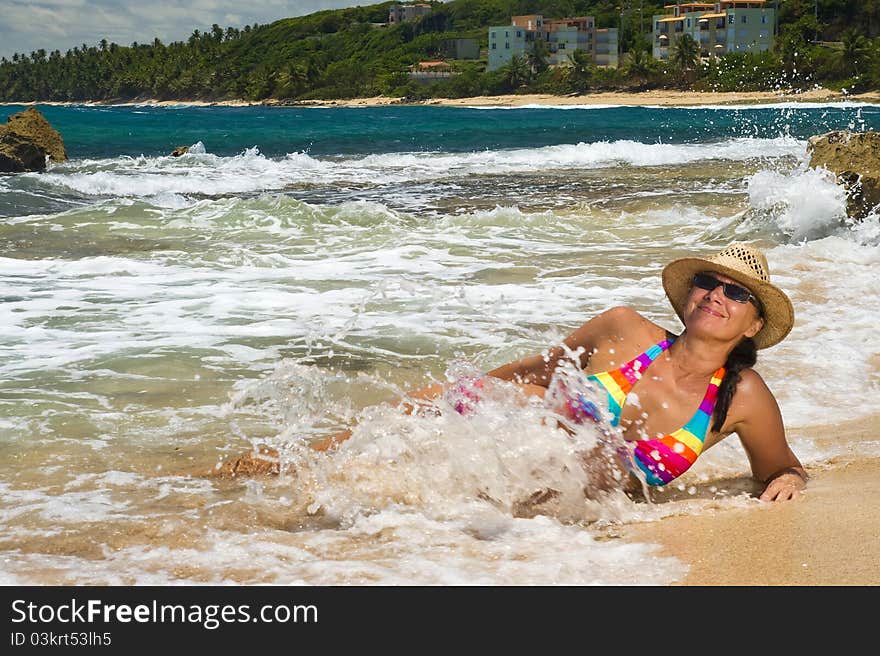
pixel 349 53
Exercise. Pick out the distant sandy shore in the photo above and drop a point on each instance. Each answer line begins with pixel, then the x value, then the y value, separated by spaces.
pixel 665 98
pixel 829 536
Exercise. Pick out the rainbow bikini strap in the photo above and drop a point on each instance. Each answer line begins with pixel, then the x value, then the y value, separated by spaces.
pixel 619 382
pixel 666 458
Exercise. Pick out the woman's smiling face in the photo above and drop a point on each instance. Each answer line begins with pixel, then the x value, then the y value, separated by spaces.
pixel 712 312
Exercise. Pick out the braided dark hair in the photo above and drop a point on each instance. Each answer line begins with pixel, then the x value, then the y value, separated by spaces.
pixel 743 356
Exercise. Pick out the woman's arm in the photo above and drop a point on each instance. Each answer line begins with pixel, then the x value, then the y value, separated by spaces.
pixel 538 369
pixel 759 426
pixel 531 370
pixel 534 369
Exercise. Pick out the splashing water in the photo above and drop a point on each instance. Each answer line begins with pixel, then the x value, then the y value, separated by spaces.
pixel 805 204
pixel 504 449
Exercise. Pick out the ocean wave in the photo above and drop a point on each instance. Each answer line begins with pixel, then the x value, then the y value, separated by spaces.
pixel 800 205
pixel 202 173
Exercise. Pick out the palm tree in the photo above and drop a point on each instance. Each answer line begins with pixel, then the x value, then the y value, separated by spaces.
pixel 517 73
pixel 291 79
pixel 581 70
pixel 639 66
pixel 536 57
pixel 685 56
pixel 855 48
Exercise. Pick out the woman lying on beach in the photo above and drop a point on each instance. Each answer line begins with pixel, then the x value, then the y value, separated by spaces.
pixel 672 397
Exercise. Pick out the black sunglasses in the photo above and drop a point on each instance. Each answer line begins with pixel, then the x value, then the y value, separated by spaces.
pixel 732 291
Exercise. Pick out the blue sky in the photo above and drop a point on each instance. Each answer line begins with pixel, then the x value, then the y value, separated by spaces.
pixel 28 25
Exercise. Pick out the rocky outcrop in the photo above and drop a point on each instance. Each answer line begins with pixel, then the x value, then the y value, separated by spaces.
pixel 26 140
pixel 18 154
pixel 854 157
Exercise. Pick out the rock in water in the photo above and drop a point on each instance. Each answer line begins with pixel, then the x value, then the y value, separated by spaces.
pixel 854 157
pixel 26 140
pixel 18 154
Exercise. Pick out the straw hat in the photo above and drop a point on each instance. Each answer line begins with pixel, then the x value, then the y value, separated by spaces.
pixel 746 265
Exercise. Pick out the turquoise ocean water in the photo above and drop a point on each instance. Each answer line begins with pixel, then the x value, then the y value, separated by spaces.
pixel 300 268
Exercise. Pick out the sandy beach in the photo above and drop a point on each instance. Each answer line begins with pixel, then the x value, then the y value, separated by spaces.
pixel 657 97
pixel 830 536
pixel 660 97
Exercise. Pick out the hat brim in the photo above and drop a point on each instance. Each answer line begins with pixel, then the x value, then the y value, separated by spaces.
pixel 678 278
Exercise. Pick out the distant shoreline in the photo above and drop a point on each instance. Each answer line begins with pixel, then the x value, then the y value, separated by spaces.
pixel 663 98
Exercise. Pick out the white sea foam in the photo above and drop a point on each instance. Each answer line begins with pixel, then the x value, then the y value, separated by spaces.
pixel 70 507
pixel 250 171
pixel 793 106
pixel 402 549
pixel 416 291
pixel 829 366
pixel 783 104
pixel 804 204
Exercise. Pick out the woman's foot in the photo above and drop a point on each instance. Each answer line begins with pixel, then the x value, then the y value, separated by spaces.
pixel 263 462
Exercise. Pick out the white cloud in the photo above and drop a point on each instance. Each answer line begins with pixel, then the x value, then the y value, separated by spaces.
pixel 29 25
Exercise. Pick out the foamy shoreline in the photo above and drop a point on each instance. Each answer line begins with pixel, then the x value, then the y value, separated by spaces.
pixel 663 98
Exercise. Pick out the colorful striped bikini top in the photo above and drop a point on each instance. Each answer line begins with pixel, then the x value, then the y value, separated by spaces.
pixel 665 458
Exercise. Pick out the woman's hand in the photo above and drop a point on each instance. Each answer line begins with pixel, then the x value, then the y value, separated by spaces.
pixel 784 486
pixel 754 415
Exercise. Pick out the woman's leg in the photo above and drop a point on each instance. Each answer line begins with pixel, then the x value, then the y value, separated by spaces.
pixel 263 462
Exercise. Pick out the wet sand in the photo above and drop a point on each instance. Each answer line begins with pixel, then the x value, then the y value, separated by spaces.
pixel 830 536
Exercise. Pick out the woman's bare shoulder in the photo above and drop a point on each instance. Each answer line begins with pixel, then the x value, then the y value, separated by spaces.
pixel 619 327
pixel 624 322
pixel 752 397
pixel 751 384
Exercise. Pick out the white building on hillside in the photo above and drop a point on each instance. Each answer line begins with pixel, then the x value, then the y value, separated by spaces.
pixel 403 13
pixel 718 27
pixel 562 36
